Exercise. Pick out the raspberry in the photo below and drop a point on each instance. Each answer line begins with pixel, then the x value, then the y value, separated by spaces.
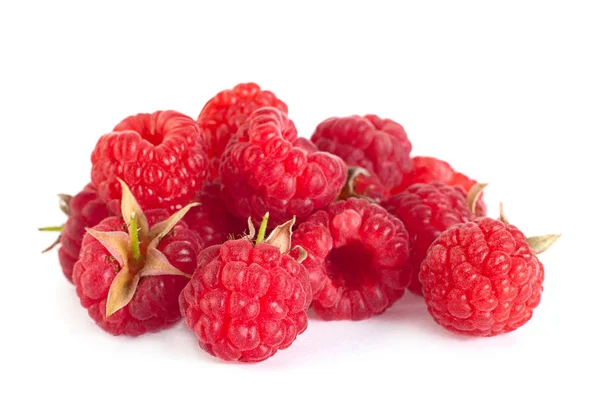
pixel 265 169
pixel 83 210
pixel 427 210
pixel 356 259
pixel 161 156
pixel 245 302
pixel 130 284
pixel 378 145
pixel 222 116
pixel 482 278
pixel 211 220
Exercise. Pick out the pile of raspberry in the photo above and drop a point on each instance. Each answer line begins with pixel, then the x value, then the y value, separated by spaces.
pixel 237 225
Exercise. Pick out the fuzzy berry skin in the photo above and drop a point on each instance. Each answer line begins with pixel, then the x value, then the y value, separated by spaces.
pixel 381 146
pixel 266 169
pixel 211 220
pixel 155 303
pixel 223 115
pixel 86 210
pixel 161 157
pixel 356 259
pixel 427 210
pixel 481 278
pixel 244 303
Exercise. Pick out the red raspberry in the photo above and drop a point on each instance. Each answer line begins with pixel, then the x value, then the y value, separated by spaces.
pixel 264 169
pixel 128 291
pixel 427 210
pixel 211 220
pixel 245 302
pixel 83 210
pixel 378 145
pixel 223 115
pixel 160 155
pixel 356 259
pixel 482 278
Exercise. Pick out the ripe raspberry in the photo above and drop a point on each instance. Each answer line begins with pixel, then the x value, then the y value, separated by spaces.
pixel 427 210
pixel 245 302
pixel 130 284
pixel 211 220
pixel 429 170
pixel 161 156
pixel 83 210
pixel 482 278
pixel 265 169
pixel 356 259
pixel 378 145
pixel 223 115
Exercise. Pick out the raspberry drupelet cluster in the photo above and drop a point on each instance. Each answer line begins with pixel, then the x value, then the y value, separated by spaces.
pixel 348 221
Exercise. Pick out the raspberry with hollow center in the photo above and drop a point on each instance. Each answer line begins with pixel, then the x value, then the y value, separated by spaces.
pixel 356 260
pixel 483 278
pixel 245 302
pixel 427 210
pixel 222 116
pixel 129 277
pixel 378 145
pixel 161 156
pixel 265 168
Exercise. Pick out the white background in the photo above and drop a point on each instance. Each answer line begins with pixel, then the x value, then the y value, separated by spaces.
pixel 508 93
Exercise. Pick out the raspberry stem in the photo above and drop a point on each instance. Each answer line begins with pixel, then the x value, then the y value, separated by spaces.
pixel 52 228
pixel 136 255
pixel 262 229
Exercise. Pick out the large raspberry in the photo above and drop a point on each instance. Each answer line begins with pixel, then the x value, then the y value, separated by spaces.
pixel 378 145
pixel 245 302
pixel 356 259
pixel 85 210
pixel 482 278
pixel 263 170
pixel 222 116
pixel 427 210
pixel 130 284
pixel 210 218
pixel 161 156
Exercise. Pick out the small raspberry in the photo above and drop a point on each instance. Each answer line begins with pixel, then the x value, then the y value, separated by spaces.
pixel 378 145
pixel 83 210
pixel 427 210
pixel 356 259
pixel 130 283
pixel 245 302
pixel 266 169
pixel 161 156
pixel 429 170
pixel 211 220
pixel 482 278
pixel 222 116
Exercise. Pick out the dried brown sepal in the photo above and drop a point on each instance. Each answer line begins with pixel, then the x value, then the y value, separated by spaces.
pixel 348 189
pixel 540 244
pixel 121 291
pixel 251 230
pixel 117 244
pixel 160 230
pixel 502 215
pixel 302 254
pixel 157 264
pixel 281 236
pixel 474 196
pixel 130 206
pixel 64 203
pixel 53 245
